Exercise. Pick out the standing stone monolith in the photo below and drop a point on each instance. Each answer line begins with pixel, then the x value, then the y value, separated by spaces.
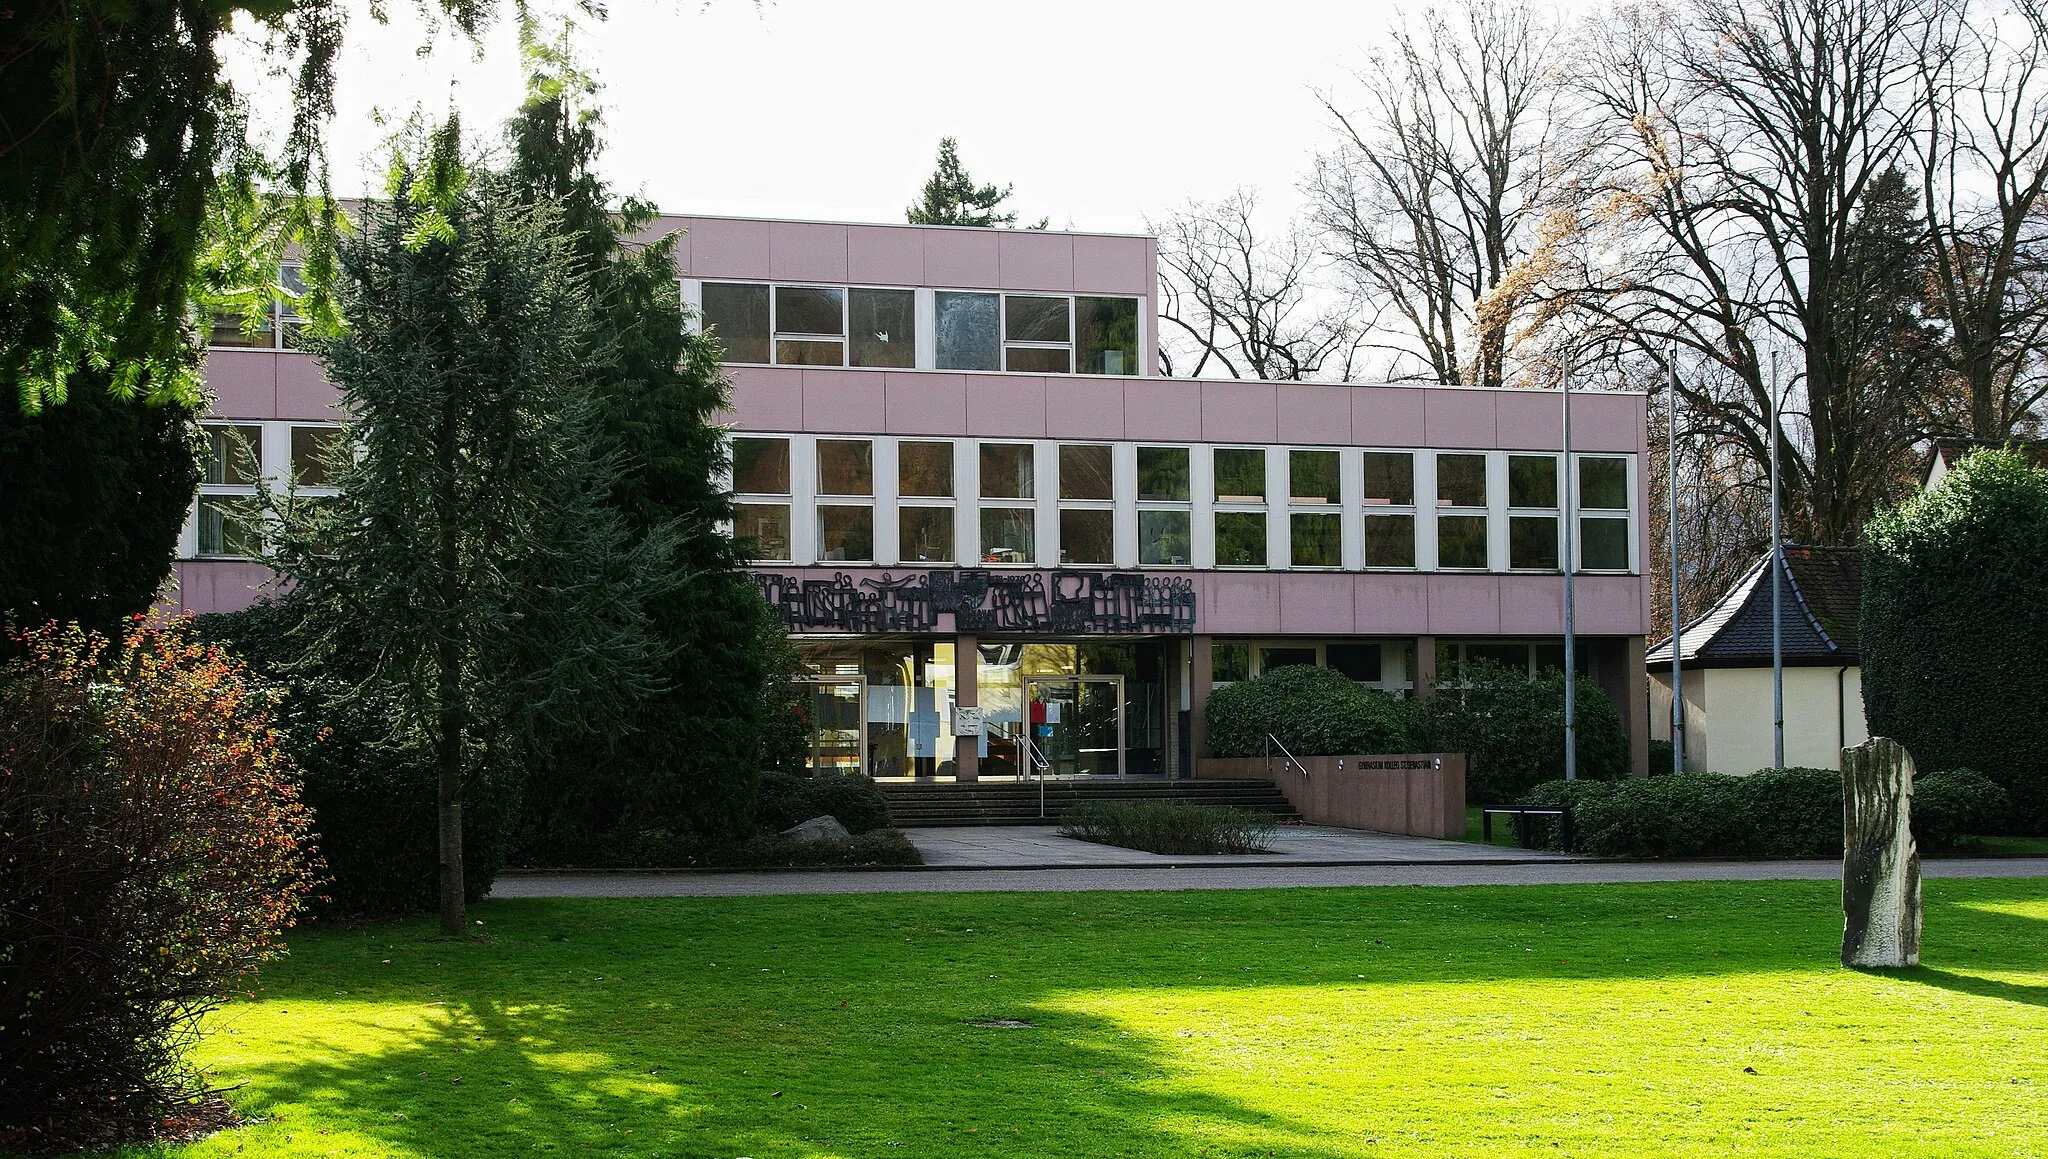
pixel 1880 864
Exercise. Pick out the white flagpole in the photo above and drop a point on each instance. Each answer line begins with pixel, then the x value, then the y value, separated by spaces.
pixel 1671 526
pixel 1777 598
pixel 1571 681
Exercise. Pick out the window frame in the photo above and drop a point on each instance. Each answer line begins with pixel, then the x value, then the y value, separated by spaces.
pixel 1525 512
pixel 1239 505
pixel 1370 509
pixel 1445 509
pixel 1624 515
pixel 1185 508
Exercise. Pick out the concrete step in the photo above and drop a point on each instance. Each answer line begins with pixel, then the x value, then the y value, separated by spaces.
pixel 1012 803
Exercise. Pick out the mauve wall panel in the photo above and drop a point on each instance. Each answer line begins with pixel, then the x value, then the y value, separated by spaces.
pixel 802 251
pixel 201 586
pixel 1533 420
pixel 1083 408
pixel 767 398
pixel 1237 603
pixel 244 383
pixel 1459 418
pixel 1313 414
pixel 1010 406
pixel 1464 605
pixel 1032 260
pixel 303 391
pixel 1318 603
pixel 1532 605
pixel 1163 409
pixel 878 255
pixel 960 257
pixel 1390 604
pixel 925 404
pixel 1113 265
pixel 1387 416
pixel 728 249
pixel 1239 412
pixel 843 401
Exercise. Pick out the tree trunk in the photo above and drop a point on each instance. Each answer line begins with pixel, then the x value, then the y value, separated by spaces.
pixel 448 658
pixel 1880 864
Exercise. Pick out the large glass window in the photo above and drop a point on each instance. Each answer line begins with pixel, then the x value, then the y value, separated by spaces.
pixel 760 466
pixel 1085 471
pixel 234 455
pixel 883 327
pixel 1240 475
pixel 1360 662
pixel 925 533
pixel 1461 480
pixel 846 534
pixel 1230 663
pixel 924 470
pixel 1312 477
pixel 1240 539
pixel 1006 471
pixel 1037 335
pixel 1286 657
pixel 1532 515
pixel 1603 518
pixel 277 327
pixel 1532 542
pixel 315 453
pixel 1087 536
pixel 763 529
pixel 1532 481
pixel 226 528
pixel 845 467
pixel 738 313
pixel 1461 542
pixel 1106 335
pixel 1163 538
pixel 810 326
pixel 1315 539
pixel 1007 535
pixel 1389 479
pixel 1163 474
pixel 967 330
pixel 1389 541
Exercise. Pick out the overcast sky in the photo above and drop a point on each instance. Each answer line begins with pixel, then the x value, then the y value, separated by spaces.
pixel 1098 111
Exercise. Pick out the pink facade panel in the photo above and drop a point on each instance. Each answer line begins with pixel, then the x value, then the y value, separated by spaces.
pixel 1313 414
pixel 925 404
pixel 804 251
pixel 201 586
pixel 767 398
pixel 725 248
pixel 1612 605
pixel 244 383
pixel 843 401
pixel 1084 408
pixel 1459 418
pixel 1113 265
pixel 960 257
pixel 1239 412
pixel 1390 604
pixel 303 391
pixel 1237 603
pixel 1029 259
pixel 1318 603
pixel 1533 420
pixel 1388 416
pixel 1533 606
pixel 880 255
pixel 1464 605
pixel 1011 406
pixel 1609 421
pixel 1165 409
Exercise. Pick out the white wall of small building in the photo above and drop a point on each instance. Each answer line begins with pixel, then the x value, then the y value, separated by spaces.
pixel 1729 718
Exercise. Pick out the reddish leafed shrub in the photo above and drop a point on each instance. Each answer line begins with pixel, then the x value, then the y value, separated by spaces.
pixel 151 855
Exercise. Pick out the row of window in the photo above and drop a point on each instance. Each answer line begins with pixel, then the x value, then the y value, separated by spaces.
pixel 1387 664
pixel 240 454
pixel 1260 507
pixel 277 328
pixel 881 327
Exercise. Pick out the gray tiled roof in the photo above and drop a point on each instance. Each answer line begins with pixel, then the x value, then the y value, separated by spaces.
pixel 1820 590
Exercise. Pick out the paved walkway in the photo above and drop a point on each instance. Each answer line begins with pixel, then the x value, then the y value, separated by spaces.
pixel 942 880
pixel 1042 847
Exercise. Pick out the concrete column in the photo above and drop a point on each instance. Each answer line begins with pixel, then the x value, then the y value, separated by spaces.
pixel 1203 670
pixel 1635 707
pixel 1425 666
pixel 1169 694
pixel 966 694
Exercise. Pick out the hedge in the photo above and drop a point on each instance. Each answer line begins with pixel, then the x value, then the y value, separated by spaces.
pixel 1313 711
pixel 1772 813
pixel 1176 827
pixel 1511 729
pixel 1955 627
pixel 788 800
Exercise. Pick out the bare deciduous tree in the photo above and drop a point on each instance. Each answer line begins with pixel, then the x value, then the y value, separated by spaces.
pixel 1236 303
pixel 1438 181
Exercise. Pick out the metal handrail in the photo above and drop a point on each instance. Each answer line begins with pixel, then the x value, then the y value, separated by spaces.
pixel 1035 765
pixel 1272 742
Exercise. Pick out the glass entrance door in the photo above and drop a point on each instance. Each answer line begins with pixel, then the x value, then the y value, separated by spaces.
pixel 1077 722
pixel 839 713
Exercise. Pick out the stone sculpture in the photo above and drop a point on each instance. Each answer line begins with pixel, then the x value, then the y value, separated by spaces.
pixel 1880 864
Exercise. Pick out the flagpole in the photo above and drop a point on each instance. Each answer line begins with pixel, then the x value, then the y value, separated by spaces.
pixel 1777 590
pixel 1571 476
pixel 1671 527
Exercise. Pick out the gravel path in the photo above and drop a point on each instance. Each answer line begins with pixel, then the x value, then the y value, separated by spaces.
pixel 942 880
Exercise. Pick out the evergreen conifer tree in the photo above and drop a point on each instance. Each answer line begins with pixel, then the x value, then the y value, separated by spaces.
pixel 952 198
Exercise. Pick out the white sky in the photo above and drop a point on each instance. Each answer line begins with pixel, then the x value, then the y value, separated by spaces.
pixel 1098 111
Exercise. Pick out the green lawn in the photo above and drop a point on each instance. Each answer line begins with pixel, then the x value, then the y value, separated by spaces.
pixel 1697 1019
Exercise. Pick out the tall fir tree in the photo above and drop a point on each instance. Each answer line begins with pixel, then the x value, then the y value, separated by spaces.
pixel 688 758
pixel 952 198
pixel 472 550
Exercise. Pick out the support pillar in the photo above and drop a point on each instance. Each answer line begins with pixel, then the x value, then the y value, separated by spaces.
pixel 966 694
pixel 1169 694
pixel 1202 668
pixel 1425 666
pixel 1635 706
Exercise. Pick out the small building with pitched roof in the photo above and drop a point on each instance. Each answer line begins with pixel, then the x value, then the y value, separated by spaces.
pixel 1725 658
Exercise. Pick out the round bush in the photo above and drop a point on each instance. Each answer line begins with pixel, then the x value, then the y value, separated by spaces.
pixel 1949 807
pixel 1955 627
pixel 1314 711
pixel 150 856
pixel 788 800
pixel 1511 729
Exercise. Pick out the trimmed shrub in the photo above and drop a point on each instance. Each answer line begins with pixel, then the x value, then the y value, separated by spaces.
pixel 1169 826
pixel 151 855
pixel 788 800
pixel 1951 806
pixel 1955 627
pixel 1511 729
pixel 774 851
pixel 1314 711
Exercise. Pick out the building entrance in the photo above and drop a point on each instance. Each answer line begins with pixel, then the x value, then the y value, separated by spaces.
pixel 1077 722
pixel 839 735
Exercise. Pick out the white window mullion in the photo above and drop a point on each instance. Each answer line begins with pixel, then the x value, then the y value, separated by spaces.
pixel 1045 472
pixel 803 500
pixel 883 459
pixel 1202 513
pixel 1123 473
pixel 1351 489
pixel 1279 492
pixel 1496 511
pixel 1425 510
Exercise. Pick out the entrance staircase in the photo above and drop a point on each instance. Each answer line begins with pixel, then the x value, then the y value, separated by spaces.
pixel 935 804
